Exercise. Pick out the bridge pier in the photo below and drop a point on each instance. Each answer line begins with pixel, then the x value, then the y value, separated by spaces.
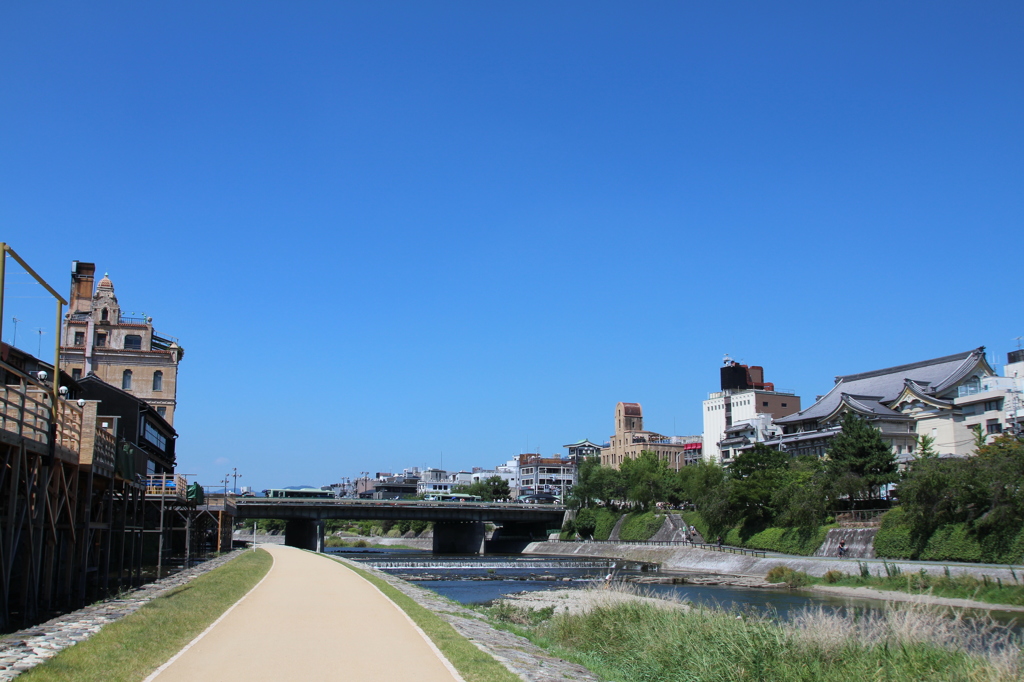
pixel 459 537
pixel 305 534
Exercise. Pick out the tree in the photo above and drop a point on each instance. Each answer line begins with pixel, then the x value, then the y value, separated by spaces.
pixel 979 437
pixel 647 479
pixel 859 459
pixel 925 447
pixel 489 489
pixel 805 498
pixel 587 490
pixel 756 475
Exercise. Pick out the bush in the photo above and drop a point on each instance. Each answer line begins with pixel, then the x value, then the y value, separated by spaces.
pixel 606 520
pixel 950 542
pixel 801 541
pixel 586 522
pixel 833 576
pixel 640 526
pixel 895 538
pixel 785 574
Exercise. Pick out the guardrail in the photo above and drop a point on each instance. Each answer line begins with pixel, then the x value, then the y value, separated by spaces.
pixel 674 543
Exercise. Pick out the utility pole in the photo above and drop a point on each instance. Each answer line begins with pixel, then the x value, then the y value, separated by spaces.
pixel 236 476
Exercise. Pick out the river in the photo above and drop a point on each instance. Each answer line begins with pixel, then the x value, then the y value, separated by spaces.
pixel 481 579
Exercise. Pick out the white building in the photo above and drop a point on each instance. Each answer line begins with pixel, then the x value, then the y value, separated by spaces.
pixel 744 395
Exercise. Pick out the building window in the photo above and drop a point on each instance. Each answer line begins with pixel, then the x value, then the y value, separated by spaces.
pixel 993 405
pixel 133 342
pixel 101 340
pixel 79 338
pixel 764 403
pixel 126 380
pixel 783 404
pixel 104 316
pixel 76 373
pixel 158 380
pixel 162 411
pixel 994 427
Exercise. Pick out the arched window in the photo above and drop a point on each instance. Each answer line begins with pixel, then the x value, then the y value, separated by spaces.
pixel 126 380
pixel 104 316
pixel 158 380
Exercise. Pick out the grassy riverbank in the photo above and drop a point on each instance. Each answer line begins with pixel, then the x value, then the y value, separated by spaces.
pixel 638 641
pixel 984 589
pixel 131 648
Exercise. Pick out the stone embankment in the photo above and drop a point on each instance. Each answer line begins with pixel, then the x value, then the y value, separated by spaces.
pixel 686 559
pixel 25 649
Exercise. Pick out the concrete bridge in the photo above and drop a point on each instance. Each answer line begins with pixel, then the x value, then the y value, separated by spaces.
pixel 458 526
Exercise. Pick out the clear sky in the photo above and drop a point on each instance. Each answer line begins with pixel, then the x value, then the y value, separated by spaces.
pixel 384 230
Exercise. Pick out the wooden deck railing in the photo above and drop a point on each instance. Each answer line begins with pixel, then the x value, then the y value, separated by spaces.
pixel 26 410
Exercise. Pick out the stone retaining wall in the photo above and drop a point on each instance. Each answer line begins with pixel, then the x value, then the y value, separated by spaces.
pixel 691 559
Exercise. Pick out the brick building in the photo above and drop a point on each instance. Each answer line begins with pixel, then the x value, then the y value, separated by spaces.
pixel 126 352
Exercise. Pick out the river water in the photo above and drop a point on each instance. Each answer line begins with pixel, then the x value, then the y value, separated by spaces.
pixel 481 579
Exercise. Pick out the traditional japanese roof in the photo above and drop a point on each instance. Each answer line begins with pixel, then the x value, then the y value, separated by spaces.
pixel 914 391
pixel 886 385
pixel 866 406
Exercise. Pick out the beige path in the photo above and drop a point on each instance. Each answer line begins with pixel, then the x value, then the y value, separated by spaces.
pixel 311 618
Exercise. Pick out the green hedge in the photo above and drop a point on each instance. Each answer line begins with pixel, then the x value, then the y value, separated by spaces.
pixel 606 520
pixel 952 542
pixel 640 526
pixel 802 541
pixel 894 539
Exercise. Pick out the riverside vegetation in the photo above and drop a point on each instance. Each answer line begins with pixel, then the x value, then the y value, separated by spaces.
pixel 638 641
pixel 968 509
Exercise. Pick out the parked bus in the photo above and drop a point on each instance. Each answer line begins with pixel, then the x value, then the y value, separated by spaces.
pixel 298 493
pixel 452 497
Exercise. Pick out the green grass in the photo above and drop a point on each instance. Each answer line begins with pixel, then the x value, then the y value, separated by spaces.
pixel 640 526
pixel 639 642
pixel 984 589
pixel 133 647
pixel 473 664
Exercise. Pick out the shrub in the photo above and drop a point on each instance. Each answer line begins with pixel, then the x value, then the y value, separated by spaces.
pixel 833 576
pixel 586 522
pixel 895 538
pixel 640 526
pixel 801 541
pixel 785 574
pixel 606 520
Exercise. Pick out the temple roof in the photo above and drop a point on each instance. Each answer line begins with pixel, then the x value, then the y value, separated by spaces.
pixel 885 385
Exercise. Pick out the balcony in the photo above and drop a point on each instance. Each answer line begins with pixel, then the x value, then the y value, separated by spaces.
pixel 166 485
pixel 26 410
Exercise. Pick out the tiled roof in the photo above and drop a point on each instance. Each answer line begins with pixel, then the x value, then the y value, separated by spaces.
pixel 885 385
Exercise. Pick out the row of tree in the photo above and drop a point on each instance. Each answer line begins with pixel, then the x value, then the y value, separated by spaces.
pixel 765 487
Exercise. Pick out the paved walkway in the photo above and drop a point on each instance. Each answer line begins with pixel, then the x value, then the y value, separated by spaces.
pixel 311 618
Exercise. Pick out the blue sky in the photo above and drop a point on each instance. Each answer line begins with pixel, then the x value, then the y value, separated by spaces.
pixel 383 231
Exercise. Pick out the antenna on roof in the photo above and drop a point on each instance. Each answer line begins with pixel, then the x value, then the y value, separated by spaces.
pixel 1018 340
